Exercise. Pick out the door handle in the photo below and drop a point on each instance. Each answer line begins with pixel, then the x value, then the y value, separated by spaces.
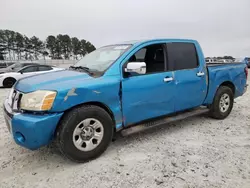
pixel 168 79
pixel 200 74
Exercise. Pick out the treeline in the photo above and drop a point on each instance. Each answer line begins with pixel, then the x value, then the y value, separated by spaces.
pixel 16 46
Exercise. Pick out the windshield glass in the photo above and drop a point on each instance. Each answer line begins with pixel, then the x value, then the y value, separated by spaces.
pixel 17 67
pixel 100 59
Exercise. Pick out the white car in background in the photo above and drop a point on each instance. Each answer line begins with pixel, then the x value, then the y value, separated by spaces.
pixel 15 66
pixel 8 79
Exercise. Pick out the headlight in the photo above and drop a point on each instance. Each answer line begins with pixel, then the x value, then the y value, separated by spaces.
pixel 40 100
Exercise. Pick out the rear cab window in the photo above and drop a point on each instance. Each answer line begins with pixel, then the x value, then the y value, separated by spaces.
pixel 182 56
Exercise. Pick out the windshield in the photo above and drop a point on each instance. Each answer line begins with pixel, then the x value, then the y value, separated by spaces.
pixel 17 67
pixel 100 59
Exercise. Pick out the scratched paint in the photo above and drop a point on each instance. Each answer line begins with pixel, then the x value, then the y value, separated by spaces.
pixel 70 93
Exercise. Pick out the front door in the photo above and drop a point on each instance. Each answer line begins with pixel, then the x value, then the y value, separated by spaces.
pixel 152 94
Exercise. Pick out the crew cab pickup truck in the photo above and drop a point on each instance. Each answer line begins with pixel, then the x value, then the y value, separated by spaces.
pixel 127 87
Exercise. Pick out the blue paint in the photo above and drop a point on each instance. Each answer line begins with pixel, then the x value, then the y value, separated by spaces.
pixel 34 131
pixel 226 73
pixel 147 96
pixel 191 90
pixel 130 100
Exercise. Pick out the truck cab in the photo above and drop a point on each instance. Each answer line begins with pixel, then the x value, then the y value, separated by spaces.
pixel 127 87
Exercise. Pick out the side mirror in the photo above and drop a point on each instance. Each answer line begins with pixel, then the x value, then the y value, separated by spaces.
pixel 136 67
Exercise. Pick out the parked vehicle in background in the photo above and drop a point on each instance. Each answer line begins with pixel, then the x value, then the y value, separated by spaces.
pixel 127 87
pixel 8 79
pixel 15 66
pixel 247 59
pixel 4 64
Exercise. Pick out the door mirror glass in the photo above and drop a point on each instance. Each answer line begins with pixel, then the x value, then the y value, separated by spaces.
pixel 136 67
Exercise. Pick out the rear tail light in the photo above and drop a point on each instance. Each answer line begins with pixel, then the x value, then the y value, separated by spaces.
pixel 246 71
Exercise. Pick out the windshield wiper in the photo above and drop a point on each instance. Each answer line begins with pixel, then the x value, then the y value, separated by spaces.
pixel 86 69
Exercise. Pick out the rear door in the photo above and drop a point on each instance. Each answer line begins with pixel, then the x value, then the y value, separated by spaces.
pixel 189 75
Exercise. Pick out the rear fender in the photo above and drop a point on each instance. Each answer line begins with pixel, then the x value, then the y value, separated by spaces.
pixel 227 76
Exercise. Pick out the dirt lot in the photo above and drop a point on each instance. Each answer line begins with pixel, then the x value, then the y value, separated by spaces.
pixel 198 152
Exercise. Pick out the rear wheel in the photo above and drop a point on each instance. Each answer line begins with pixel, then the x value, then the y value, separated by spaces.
pixel 84 133
pixel 9 82
pixel 223 103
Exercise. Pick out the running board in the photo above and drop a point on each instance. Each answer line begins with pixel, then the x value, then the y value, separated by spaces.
pixel 155 123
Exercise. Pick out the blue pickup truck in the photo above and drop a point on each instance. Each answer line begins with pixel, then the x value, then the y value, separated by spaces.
pixel 127 88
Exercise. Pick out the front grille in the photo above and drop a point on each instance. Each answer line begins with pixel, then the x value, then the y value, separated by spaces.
pixel 14 99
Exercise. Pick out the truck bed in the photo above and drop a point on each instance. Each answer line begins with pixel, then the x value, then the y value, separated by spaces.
pixel 231 73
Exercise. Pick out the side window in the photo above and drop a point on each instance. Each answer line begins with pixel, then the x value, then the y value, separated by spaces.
pixel 140 55
pixel 29 69
pixel 44 68
pixel 153 56
pixel 182 56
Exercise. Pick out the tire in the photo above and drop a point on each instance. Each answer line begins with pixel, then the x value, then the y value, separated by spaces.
pixel 68 138
pixel 9 82
pixel 219 109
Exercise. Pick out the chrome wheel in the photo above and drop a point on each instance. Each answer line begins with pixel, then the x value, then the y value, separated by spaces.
pixel 224 102
pixel 88 134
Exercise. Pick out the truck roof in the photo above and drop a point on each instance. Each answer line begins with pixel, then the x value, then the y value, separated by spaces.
pixel 134 42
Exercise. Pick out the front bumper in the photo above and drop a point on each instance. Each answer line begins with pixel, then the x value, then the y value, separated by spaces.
pixel 29 130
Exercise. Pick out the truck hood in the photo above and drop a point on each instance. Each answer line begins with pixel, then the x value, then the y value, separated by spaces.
pixel 57 80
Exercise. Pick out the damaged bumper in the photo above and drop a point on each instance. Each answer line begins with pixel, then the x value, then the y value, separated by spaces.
pixel 29 130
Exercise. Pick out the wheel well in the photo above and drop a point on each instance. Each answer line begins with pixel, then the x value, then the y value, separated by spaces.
pixel 105 107
pixel 230 85
pixel 9 78
pixel 101 105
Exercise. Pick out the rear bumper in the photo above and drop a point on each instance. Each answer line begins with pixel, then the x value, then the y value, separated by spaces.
pixel 29 130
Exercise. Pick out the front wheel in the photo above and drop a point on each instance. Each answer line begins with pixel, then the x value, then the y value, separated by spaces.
pixel 223 103
pixel 84 133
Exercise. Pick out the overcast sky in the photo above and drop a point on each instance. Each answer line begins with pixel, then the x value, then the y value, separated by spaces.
pixel 221 26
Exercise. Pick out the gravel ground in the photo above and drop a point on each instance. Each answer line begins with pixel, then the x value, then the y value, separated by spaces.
pixel 198 152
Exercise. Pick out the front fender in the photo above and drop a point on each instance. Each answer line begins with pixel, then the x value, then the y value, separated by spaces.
pixel 105 92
